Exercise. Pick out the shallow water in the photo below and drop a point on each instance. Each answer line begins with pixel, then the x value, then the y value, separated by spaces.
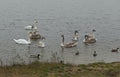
pixel 56 17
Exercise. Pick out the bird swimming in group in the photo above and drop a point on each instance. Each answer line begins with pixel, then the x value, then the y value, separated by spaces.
pixel 94 54
pixel 115 50
pixel 32 27
pixel 77 53
pixel 34 35
pixel 68 45
pixel 75 38
pixel 22 41
pixel 90 38
pixel 35 56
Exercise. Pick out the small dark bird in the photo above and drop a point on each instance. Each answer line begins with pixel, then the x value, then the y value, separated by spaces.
pixel 61 61
pixel 94 54
pixel 94 30
pixel 77 53
pixel 35 56
pixel 115 50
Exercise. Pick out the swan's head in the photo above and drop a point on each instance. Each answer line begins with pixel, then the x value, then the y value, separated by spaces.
pixel 62 35
pixel 117 48
pixel 86 36
pixel 38 55
pixel 76 32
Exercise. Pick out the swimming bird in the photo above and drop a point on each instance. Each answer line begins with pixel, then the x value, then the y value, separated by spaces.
pixel 32 27
pixel 115 50
pixel 22 41
pixel 42 43
pixel 35 56
pixel 89 40
pixel 75 38
pixel 92 35
pixel 94 54
pixel 77 53
pixel 68 45
pixel 34 35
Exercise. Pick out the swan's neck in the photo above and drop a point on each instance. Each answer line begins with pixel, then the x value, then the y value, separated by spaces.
pixel 35 24
pixel 93 35
pixel 29 40
pixel 63 39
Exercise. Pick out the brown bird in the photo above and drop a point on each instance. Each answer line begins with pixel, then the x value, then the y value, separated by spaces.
pixel 68 45
pixel 115 50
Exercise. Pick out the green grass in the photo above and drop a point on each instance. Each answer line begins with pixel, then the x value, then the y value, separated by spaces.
pixel 38 69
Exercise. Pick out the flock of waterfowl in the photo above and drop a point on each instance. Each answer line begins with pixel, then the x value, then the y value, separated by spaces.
pixel 33 34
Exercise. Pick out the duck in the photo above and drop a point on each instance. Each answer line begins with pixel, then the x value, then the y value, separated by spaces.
pixel 94 54
pixel 89 40
pixel 34 35
pixel 35 56
pixel 22 41
pixel 68 45
pixel 41 43
pixel 75 38
pixel 115 50
pixel 77 53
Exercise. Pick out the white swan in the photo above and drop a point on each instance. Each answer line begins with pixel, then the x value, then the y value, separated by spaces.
pixel 22 41
pixel 41 43
pixel 29 27
pixel 32 27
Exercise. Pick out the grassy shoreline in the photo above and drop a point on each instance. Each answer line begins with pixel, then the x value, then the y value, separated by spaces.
pixel 38 69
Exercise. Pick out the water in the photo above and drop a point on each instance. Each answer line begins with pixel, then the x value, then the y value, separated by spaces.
pixel 56 17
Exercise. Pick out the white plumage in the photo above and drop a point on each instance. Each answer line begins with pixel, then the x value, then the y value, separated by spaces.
pixel 21 41
pixel 41 44
pixel 30 27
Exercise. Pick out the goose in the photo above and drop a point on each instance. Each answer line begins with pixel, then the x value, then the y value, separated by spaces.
pixel 115 50
pixel 22 41
pixel 34 35
pixel 87 40
pixel 75 38
pixel 35 56
pixel 68 45
pixel 94 54
pixel 41 43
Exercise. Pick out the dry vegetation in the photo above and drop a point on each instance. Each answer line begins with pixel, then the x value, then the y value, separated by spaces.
pixel 37 69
